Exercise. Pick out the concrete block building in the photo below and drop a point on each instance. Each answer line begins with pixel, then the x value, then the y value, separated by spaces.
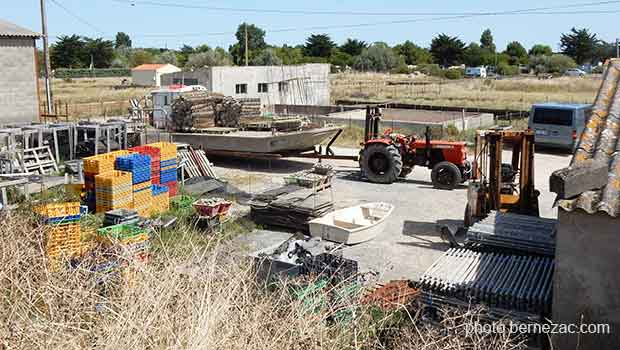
pixel 586 278
pixel 306 84
pixel 150 74
pixel 19 94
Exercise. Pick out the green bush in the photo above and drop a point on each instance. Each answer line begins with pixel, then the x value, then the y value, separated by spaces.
pixel 64 73
pixel 506 69
pixel 430 69
pixel 454 74
pixel 401 69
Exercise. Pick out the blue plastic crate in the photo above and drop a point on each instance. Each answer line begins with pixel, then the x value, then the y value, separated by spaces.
pixel 168 162
pixel 133 162
pixel 63 219
pixel 168 177
pixel 159 189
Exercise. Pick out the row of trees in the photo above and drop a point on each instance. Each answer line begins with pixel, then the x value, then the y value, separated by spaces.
pixel 578 46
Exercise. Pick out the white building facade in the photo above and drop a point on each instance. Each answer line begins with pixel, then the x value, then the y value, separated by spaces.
pixel 150 74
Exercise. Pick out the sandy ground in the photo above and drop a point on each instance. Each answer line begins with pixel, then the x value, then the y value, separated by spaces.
pixel 410 243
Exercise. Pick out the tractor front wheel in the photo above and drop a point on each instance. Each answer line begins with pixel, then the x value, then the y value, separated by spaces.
pixel 446 176
pixel 382 163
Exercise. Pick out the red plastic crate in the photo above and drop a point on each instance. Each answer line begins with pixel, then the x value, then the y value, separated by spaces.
pixel 155 180
pixel 225 207
pixel 172 188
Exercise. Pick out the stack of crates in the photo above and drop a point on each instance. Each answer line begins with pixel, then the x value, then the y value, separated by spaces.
pixel 139 166
pixel 161 200
pixel 113 190
pixel 62 225
pixel 152 152
pixel 168 166
pixel 94 166
pixel 133 240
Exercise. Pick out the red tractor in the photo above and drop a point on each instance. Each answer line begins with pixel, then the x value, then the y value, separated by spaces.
pixel 390 156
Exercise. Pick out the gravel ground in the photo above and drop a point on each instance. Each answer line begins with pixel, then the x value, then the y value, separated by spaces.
pixel 411 241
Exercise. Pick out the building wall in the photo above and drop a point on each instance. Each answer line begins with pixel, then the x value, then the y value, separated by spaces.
pixel 144 77
pixel 307 84
pixel 19 99
pixel 586 278
pixel 200 76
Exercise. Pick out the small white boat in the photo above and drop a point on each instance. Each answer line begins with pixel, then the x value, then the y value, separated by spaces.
pixel 352 225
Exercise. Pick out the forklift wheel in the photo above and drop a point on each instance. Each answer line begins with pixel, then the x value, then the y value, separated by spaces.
pixel 446 176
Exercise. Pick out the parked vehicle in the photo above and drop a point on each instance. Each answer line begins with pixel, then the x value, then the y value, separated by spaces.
pixel 558 125
pixel 575 72
pixel 476 72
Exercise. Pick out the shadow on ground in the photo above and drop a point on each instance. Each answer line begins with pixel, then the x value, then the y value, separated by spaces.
pixel 428 235
pixel 277 166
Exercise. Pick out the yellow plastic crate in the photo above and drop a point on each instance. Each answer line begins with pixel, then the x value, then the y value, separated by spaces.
pixel 102 163
pixel 141 186
pixel 167 150
pixel 53 210
pixel 113 178
pixel 107 196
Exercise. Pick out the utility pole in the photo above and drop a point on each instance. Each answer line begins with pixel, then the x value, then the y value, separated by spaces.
pixel 46 58
pixel 245 25
pixel 617 48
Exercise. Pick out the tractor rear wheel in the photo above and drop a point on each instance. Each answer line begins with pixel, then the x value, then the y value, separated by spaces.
pixel 382 163
pixel 446 175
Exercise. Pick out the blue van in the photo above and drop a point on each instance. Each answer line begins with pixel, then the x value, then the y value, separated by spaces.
pixel 557 124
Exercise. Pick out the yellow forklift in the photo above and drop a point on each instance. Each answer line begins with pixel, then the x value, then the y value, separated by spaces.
pixel 499 186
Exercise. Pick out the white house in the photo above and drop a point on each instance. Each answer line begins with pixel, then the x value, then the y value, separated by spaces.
pixel 305 84
pixel 150 74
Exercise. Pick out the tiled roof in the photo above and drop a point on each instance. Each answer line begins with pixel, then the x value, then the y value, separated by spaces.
pixel 10 29
pixel 149 66
pixel 599 141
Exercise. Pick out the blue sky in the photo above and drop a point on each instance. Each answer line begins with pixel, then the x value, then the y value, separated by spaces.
pixel 160 26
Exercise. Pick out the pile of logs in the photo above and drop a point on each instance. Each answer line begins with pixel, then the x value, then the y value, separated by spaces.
pixel 200 109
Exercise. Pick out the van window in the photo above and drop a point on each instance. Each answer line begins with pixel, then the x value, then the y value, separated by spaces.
pixel 563 117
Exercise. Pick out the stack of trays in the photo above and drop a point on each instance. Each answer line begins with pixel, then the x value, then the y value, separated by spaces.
pixel 168 165
pixel 133 240
pixel 120 216
pixel 94 166
pixel 143 198
pixel 137 164
pixel 161 200
pixel 113 191
pixel 62 225
pixel 154 153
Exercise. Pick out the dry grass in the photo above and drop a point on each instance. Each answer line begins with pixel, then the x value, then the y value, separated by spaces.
pixel 94 97
pixel 516 93
pixel 194 293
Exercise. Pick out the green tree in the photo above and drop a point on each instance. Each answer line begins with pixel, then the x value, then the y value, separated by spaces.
pixel 473 55
pixel 267 57
pixel 100 51
pixel 353 47
pixel 447 50
pixel 556 63
pixel 183 54
pixel 486 41
pixel 340 58
pixel 122 40
pixel 169 57
pixel 579 44
pixel 319 45
pixel 210 58
pixel 256 42
pixel 69 52
pixel 540 50
pixel 604 51
pixel 517 53
pixel 290 54
pixel 377 58
pixel 141 56
pixel 413 54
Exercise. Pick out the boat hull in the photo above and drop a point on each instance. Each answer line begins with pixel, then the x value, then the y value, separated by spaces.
pixel 258 141
pixel 352 225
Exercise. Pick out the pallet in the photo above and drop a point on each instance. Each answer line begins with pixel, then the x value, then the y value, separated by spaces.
pixel 38 160
pixel 196 164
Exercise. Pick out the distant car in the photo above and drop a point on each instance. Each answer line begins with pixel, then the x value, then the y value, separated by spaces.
pixel 574 72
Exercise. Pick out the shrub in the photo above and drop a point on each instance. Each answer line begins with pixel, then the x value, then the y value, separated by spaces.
pixel 430 69
pixel 454 74
pixel 65 73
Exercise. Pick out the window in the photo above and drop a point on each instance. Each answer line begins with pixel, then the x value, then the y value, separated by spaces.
pixel 165 100
pixel 241 88
pixel 283 86
pixel 263 87
pixel 563 117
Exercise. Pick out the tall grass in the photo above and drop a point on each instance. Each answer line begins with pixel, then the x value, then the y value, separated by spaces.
pixel 204 296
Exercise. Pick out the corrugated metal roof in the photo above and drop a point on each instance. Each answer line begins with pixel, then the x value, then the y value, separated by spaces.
pixel 10 29
pixel 599 141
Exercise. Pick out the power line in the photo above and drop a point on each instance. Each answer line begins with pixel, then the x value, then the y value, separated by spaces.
pixel 77 17
pixel 352 13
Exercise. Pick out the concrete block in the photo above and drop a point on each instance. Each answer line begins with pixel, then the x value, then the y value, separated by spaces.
pixel 574 180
